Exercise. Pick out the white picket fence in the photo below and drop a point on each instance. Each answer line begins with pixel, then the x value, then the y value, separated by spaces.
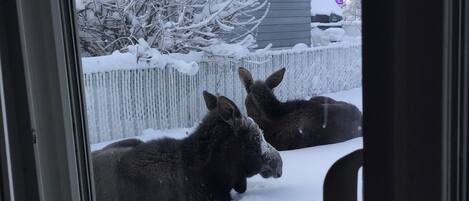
pixel 122 103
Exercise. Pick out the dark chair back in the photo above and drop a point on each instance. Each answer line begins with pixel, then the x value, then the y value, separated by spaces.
pixel 341 180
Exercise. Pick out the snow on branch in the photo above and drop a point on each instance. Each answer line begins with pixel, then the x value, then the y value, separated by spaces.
pixel 170 26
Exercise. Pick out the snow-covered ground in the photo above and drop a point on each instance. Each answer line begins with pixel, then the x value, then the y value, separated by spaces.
pixel 304 170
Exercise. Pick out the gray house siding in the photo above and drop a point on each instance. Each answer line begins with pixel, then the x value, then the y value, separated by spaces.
pixel 287 23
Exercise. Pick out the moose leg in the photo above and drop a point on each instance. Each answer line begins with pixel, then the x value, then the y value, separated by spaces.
pixel 240 185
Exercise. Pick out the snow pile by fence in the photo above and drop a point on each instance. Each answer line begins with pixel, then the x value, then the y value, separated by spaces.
pixel 121 103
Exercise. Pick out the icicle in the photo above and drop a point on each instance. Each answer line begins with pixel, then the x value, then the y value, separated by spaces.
pixel 324 122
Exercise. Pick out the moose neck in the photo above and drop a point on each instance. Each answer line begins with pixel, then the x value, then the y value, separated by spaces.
pixel 199 147
pixel 269 104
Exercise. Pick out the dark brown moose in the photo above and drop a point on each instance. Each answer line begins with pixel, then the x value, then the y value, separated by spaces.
pixel 298 123
pixel 224 150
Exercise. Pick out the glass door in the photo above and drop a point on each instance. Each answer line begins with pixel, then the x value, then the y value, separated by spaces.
pixel 220 100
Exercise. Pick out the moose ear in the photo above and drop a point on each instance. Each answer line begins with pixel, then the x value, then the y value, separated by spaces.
pixel 228 110
pixel 210 100
pixel 274 80
pixel 246 78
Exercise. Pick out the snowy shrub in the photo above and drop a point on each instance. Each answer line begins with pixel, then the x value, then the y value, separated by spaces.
pixel 167 25
pixel 321 37
pixel 318 37
pixel 335 34
pixel 353 10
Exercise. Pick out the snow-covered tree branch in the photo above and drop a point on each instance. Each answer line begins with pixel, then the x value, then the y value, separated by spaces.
pixel 167 25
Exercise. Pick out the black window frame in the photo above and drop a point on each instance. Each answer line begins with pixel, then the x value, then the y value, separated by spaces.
pixel 17 163
pixel 413 56
pixel 41 67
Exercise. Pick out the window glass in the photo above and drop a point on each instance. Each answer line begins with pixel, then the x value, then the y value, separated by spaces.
pixel 210 100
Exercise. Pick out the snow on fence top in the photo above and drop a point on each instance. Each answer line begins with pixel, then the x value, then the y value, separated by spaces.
pixel 122 102
pixel 184 63
pixel 143 57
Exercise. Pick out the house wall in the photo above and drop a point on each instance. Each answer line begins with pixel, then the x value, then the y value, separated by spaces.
pixel 288 23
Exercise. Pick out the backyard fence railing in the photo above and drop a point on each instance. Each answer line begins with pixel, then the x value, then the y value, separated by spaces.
pixel 122 103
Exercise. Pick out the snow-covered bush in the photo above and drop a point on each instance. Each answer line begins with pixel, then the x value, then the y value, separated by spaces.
pixel 321 37
pixel 318 37
pixel 167 25
pixel 353 10
pixel 335 34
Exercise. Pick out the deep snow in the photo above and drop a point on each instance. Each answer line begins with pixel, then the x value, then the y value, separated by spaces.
pixel 303 174
pixel 304 170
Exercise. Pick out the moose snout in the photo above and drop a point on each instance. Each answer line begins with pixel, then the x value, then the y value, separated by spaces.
pixel 279 173
pixel 273 164
pixel 277 167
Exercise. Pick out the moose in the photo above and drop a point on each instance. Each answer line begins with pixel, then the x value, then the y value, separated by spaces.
pixel 225 149
pixel 297 124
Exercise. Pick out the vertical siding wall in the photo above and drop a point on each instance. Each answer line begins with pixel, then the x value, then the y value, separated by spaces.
pixel 288 23
pixel 121 103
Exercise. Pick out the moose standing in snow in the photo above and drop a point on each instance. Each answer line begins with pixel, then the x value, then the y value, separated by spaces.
pixel 225 149
pixel 298 123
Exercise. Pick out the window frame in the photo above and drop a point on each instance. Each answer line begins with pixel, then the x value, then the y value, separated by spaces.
pixel 49 97
pixel 412 56
pixel 17 167
pixel 45 68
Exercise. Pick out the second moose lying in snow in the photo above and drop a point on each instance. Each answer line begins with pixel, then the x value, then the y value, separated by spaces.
pixel 298 123
pixel 218 156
